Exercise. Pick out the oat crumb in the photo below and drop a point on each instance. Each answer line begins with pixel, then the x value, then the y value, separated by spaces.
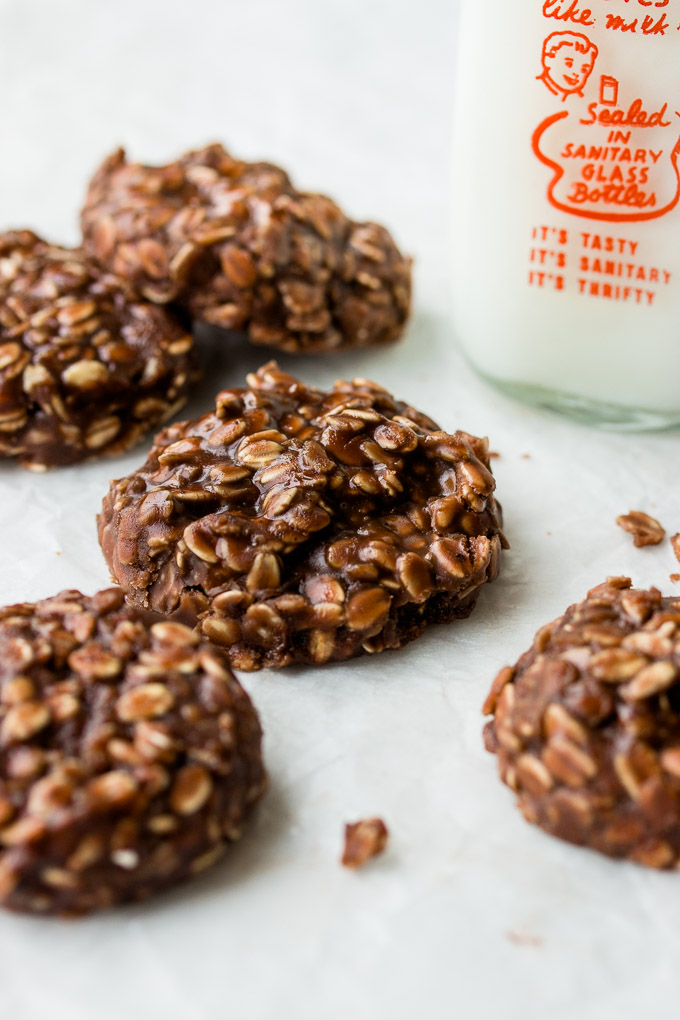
pixel 645 530
pixel 523 938
pixel 675 542
pixel 363 840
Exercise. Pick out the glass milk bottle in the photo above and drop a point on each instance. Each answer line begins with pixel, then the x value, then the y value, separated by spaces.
pixel 565 200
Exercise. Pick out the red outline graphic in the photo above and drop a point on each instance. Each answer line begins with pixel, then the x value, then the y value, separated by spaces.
pixel 577 44
pixel 609 90
pixel 589 213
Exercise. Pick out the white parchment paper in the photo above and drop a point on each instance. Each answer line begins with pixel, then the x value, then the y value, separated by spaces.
pixel 471 913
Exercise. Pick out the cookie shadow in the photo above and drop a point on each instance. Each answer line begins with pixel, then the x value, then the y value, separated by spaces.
pixel 253 854
pixel 226 356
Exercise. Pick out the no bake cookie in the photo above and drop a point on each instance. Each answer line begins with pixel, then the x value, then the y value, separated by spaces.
pixel 86 368
pixel 586 725
pixel 239 246
pixel 129 754
pixel 294 525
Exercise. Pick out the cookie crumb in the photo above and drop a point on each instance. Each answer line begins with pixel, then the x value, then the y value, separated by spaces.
pixel 363 840
pixel 493 454
pixel 675 542
pixel 524 938
pixel 675 578
pixel 645 530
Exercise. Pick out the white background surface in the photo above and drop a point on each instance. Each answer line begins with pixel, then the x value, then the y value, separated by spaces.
pixel 471 914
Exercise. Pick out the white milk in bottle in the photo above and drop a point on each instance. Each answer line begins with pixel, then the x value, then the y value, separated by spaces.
pixel 565 198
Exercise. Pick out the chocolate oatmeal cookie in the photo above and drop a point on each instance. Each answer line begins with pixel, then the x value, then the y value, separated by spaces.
pixel 129 754
pixel 587 725
pixel 242 248
pixel 85 367
pixel 301 526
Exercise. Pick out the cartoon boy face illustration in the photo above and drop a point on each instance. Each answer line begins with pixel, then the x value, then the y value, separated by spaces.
pixel 568 59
